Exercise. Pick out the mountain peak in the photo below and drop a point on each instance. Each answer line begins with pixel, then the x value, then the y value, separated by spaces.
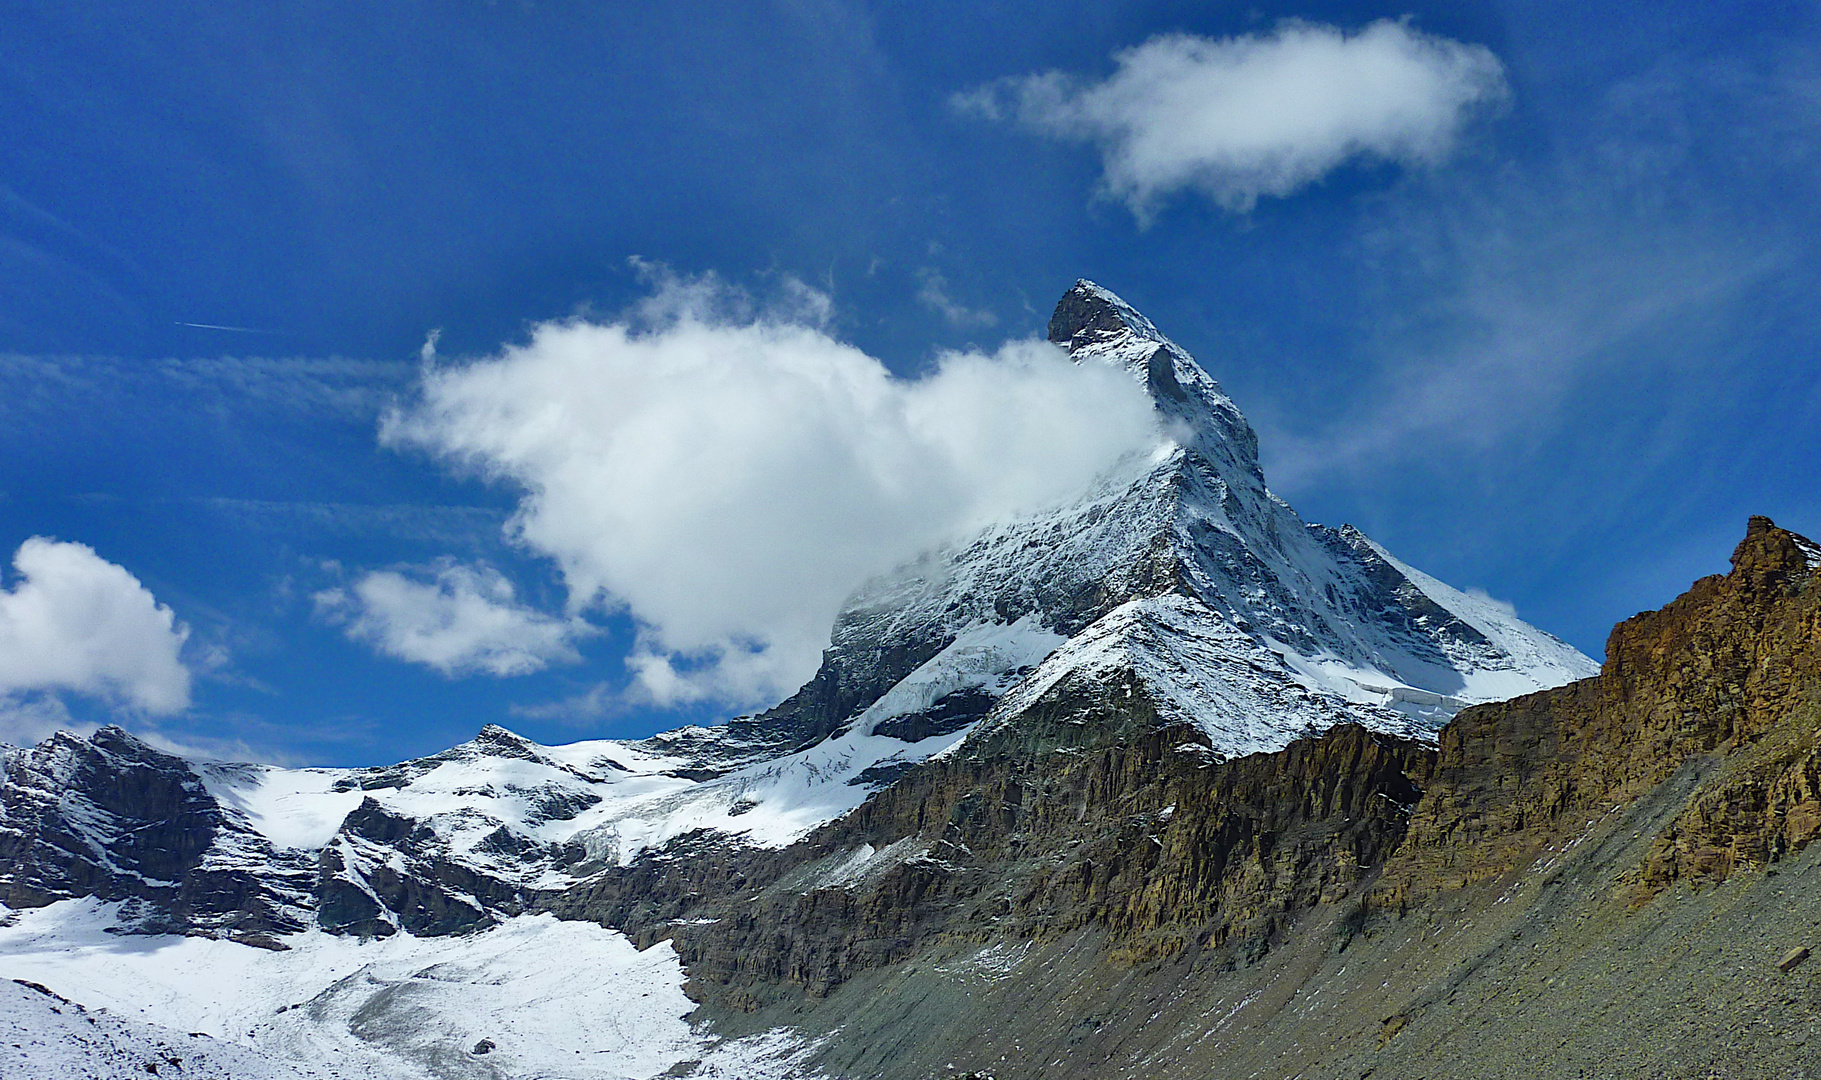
pixel 1090 309
pixel 502 742
pixel 1770 551
pixel 1093 323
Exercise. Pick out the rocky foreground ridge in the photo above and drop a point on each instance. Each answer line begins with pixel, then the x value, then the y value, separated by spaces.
pixel 1595 880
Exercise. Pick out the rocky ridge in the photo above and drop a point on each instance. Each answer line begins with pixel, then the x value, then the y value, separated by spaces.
pixel 1623 848
pixel 110 817
pixel 1723 675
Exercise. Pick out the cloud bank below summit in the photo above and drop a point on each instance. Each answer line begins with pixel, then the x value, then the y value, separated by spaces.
pixel 1243 117
pixel 728 475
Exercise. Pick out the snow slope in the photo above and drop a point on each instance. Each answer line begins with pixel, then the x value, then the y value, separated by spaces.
pixel 553 999
pixel 44 1036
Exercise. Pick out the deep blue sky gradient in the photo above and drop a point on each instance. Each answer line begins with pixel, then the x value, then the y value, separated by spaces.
pixel 1563 367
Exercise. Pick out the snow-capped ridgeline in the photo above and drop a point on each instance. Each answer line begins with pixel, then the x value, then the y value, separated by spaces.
pixel 397 905
pixel 572 809
pixel 1180 577
pixel 538 997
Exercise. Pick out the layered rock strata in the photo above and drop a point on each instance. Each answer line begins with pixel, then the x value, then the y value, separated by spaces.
pixel 1354 905
pixel 1727 676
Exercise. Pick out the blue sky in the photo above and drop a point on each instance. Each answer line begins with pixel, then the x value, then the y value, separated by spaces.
pixel 1556 341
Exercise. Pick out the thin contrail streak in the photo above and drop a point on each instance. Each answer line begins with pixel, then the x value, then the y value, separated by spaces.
pixel 235 329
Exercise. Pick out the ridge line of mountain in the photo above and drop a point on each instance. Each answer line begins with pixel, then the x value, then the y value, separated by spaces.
pixel 1119 848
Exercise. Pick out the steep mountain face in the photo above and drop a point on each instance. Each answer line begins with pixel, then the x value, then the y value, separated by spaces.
pixel 110 817
pixel 1180 588
pixel 1183 568
pixel 1613 878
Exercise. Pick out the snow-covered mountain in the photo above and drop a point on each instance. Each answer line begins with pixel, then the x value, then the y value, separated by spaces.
pixel 1181 574
pixel 1180 580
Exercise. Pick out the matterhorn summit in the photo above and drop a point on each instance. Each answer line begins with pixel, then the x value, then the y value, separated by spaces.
pixel 1181 577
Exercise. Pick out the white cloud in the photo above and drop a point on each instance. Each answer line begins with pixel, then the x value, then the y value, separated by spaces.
pixel 461 620
pixel 1241 117
pixel 598 701
pixel 28 719
pixel 731 477
pixel 1603 297
pixel 933 293
pixel 76 622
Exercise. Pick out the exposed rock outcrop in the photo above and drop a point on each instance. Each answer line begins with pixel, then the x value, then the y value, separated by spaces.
pixel 1729 671
pixel 108 816
pixel 1148 840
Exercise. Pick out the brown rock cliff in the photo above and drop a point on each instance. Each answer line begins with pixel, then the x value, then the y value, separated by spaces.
pixel 1730 670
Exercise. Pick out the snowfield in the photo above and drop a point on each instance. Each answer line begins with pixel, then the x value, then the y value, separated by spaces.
pixel 547 999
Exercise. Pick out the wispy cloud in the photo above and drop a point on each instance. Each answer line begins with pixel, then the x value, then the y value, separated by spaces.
pixel 933 293
pixel 445 526
pixel 37 393
pixel 26 719
pixel 459 620
pixel 598 702
pixel 1633 267
pixel 1243 117
pixel 322 386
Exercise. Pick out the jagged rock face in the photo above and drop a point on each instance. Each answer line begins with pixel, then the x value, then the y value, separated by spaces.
pixel 1181 559
pixel 131 813
pixel 1728 674
pixel 366 888
pixel 110 817
pixel 1153 842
